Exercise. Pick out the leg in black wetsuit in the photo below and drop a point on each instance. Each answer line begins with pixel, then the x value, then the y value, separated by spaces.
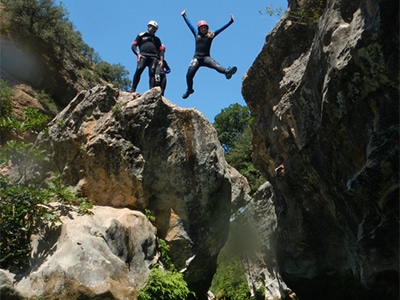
pixel 193 67
pixel 142 64
pixel 209 62
pixel 160 78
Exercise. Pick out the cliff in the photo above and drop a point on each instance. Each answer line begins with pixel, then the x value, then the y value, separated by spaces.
pixel 323 93
pixel 133 152
pixel 325 100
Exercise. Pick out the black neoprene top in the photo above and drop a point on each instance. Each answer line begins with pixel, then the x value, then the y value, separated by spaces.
pixel 149 45
pixel 203 41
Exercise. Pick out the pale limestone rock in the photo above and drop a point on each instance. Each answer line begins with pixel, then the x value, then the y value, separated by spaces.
pixel 104 253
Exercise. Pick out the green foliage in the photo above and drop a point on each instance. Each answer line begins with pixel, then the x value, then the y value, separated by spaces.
pixel 6 93
pixel 90 77
pixel 24 201
pixel 308 14
pixel 149 215
pixel 58 192
pixel 22 155
pixel 240 157
pixel 115 74
pixel 229 281
pixel 34 122
pixel 230 123
pixel 164 285
pixel 40 19
pixel 271 11
pixel 164 257
pixel 233 126
pixel 48 103
pixel 22 208
pixel 46 26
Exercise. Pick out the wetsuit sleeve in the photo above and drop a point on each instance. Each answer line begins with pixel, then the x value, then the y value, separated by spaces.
pixel 218 31
pixel 167 68
pixel 134 45
pixel 162 50
pixel 190 25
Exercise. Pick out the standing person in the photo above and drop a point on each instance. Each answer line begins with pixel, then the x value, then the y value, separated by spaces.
pixel 151 53
pixel 204 38
pixel 160 78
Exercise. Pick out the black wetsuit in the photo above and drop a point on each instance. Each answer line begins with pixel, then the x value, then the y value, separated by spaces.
pixel 160 78
pixel 201 55
pixel 151 50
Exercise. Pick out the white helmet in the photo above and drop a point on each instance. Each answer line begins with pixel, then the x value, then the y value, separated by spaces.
pixel 153 23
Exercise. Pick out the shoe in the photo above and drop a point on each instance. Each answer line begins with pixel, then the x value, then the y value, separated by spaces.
pixel 230 72
pixel 187 93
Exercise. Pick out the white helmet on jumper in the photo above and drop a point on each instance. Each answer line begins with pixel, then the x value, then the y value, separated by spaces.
pixel 153 23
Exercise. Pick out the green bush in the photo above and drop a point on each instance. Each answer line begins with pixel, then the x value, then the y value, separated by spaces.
pixel 115 74
pixel 6 94
pixel 233 125
pixel 34 122
pixel 229 282
pixel 164 285
pixel 24 199
pixel 48 103
pixel 43 25
pixel 22 209
pixel 309 14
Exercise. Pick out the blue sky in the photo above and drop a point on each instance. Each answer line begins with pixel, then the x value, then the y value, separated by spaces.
pixel 109 27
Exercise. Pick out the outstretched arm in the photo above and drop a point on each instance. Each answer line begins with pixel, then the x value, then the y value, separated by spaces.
pixel 218 31
pixel 188 23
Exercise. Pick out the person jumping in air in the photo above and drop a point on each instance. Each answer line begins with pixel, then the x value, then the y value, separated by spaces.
pixel 202 57
pixel 151 53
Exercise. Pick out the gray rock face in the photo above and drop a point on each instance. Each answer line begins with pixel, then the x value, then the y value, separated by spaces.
pixel 142 152
pixel 261 267
pixel 325 99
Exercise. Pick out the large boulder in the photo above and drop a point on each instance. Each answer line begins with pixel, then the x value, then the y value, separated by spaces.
pixel 142 152
pixel 103 254
pixel 324 94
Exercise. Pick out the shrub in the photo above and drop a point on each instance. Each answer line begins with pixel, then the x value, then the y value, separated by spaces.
pixel 34 122
pixel 115 74
pixel 6 94
pixel 164 285
pixel 22 208
pixel 24 200
pixel 48 103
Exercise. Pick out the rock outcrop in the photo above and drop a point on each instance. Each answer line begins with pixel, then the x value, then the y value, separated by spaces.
pixel 324 94
pixel 105 254
pixel 139 152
